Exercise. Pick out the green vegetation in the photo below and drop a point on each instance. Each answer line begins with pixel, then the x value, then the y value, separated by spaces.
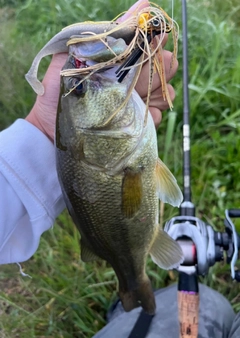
pixel 65 297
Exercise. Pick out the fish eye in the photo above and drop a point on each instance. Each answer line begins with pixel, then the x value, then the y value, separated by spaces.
pixel 75 86
pixel 78 86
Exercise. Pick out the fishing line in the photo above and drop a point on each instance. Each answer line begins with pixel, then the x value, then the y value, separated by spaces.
pixel 172 9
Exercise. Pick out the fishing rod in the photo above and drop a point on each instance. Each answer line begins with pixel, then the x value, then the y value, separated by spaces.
pixel 201 245
pixel 188 290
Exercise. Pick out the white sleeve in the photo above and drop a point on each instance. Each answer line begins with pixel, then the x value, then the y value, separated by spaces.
pixel 30 194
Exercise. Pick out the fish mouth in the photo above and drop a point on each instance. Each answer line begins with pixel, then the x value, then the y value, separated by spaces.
pixel 80 75
pixel 89 59
pixel 81 63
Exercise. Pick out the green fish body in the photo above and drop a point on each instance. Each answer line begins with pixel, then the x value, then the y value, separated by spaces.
pixel 112 179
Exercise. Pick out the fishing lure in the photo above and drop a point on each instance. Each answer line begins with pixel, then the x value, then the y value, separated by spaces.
pixel 143 32
pixel 151 23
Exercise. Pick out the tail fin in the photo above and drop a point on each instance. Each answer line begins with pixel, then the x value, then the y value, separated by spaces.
pixel 141 296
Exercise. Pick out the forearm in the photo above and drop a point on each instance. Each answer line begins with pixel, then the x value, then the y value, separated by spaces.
pixel 30 193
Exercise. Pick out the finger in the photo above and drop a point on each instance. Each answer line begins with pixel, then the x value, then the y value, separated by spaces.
pixel 51 79
pixel 158 104
pixel 165 39
pixel 157 100
pixel 156 115
pixel 144 76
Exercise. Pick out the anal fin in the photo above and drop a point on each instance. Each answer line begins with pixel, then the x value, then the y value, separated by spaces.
pixel 166 252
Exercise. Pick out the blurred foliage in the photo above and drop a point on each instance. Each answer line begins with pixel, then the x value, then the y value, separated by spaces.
pixel 67 298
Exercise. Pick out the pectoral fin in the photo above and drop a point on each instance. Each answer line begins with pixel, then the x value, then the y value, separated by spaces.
pixel 86 254
pixel 167 188
pixel 166 252
pixel 132 192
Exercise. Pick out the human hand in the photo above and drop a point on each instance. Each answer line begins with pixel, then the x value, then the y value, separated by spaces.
pixel 43 113
pixel 157 103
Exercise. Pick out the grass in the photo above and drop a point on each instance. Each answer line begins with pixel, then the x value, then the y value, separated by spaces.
pixel 65 297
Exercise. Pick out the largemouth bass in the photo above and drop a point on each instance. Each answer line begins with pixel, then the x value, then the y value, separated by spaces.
pixel 108 165
pixel 112 179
